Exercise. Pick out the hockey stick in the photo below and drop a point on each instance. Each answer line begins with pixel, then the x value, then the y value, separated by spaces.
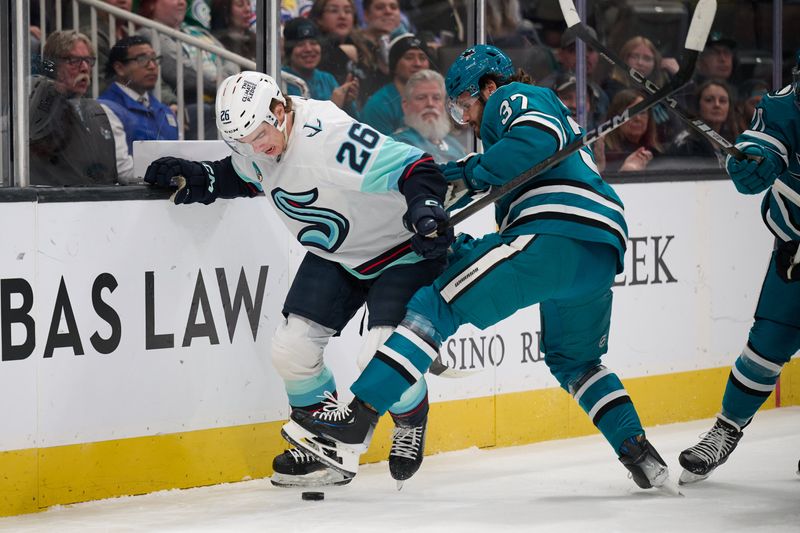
pixel 575 24
pixel 695 42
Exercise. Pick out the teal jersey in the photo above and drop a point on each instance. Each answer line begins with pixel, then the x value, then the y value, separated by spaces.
pixel 523 125
pixel 384 110
pixel 776 127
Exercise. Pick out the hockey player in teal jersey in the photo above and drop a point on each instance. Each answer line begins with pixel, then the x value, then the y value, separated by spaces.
pixel 774 135
pixel 561 242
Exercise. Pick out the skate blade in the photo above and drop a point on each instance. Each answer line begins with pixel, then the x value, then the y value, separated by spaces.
pixel 322 478
pixel 689 477
pixel 670 487
pixel 400 484
pixel 340 457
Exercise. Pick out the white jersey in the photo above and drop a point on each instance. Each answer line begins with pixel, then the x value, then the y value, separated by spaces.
pixel 336 188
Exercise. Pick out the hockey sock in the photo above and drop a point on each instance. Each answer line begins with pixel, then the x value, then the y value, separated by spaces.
pixel 751 381
pixel 415 416
pixel 411 399
pixel 600 393
pixel 308 393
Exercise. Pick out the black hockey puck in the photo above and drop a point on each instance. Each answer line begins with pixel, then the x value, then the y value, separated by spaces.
pixel 313 496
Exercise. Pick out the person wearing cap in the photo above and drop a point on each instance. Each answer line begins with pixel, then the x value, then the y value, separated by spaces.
pixel 303 52
pixel 567 60
pixel 384 110
pixel 427 122
pixel 716 61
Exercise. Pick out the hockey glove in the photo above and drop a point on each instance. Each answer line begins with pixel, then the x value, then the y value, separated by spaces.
pixel 463 245
pixel 786 261
pixel 191 178
pixel 752 177
pixel 424 217
pixel 462 170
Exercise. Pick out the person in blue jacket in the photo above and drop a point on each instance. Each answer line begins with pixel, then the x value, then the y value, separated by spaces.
pixel 561 241
pixel 133 69
pixel 773 136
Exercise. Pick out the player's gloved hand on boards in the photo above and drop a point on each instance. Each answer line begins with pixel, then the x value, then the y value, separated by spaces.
pixel 785 257
pixel 752 177
pixel 424 217
pixel 187 176
pixel 463 170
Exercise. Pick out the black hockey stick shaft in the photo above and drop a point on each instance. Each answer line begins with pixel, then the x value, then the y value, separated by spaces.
pixel 575 24
pixel 696 38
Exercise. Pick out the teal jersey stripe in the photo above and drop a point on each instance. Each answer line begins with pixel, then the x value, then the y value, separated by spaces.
pixel 387 167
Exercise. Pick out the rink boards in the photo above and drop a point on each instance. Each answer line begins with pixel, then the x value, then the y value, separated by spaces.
pixel 135 340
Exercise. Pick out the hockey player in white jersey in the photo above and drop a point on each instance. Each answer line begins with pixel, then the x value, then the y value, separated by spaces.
pixel 774 136
pixel 361 204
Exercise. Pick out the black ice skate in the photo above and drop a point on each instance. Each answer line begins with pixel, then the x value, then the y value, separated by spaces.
pixel 703 458
pixel 296 468
pixel 647 468
pixel 408 448
pixel 337 434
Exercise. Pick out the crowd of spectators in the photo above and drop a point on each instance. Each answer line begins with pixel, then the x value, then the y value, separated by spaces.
pixel 381 61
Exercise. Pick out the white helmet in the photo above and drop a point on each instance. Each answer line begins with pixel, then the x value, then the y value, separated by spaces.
pixel 243 102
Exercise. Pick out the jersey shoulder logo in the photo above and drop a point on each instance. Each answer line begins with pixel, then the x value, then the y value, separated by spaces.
pixel 314 129
pixel 326 229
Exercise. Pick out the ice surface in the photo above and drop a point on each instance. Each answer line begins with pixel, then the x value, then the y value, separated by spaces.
pixel 567 485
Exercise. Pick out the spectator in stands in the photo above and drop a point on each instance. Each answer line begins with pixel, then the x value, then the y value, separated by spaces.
pixel 103 38
pixel 231 24
pixel 713 102
pixel 382 18
pixel 337 20
pixel 74 140
pixel 717 60
pixel 427 122
pixel 750 94
pixel 566 87
pixel 172 13
pixel 384 110
pixel 132 71
pixel 634 144
pixel 567 60
pixel 503 24
pixel 302 52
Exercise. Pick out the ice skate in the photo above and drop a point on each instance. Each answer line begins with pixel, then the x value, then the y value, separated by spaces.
pixel 297 468
pixel 337 434
pixel 646 466
pixel 703 458
pixel 408 448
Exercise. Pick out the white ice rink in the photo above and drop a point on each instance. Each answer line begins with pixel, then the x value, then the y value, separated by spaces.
pixel 569 485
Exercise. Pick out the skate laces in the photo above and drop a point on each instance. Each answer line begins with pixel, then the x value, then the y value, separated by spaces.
pixel 714 444
pixel 300 456
pixel 406 442
pixel 333 409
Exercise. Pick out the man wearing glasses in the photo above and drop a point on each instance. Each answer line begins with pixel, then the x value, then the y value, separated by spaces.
pixel 73 140
pixel 132 69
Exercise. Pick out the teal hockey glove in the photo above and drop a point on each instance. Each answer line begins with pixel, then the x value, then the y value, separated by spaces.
pixel 785 258
pixel 753 177
pixel 462 169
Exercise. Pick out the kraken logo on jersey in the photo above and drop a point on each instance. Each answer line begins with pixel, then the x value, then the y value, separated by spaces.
pixel 314 129
pixel 326 228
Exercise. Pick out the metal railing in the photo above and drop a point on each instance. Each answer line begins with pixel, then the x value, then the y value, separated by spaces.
pixel 179 39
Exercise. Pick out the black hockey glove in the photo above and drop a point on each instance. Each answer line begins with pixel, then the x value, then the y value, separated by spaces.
pixel 785 258
pixel 192 179
pixel 424 217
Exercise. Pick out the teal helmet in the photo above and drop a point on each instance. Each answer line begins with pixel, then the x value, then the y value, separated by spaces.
pixel 467 70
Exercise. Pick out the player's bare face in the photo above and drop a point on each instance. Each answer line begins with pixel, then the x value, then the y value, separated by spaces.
pixel 266 139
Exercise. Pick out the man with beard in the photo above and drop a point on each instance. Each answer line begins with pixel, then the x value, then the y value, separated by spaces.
pixel 133 69
pixel 427 124
pixel 73 140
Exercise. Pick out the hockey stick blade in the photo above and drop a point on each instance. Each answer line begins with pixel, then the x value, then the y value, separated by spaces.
pixel 438 368
pixel 575 24
pixel 695 40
